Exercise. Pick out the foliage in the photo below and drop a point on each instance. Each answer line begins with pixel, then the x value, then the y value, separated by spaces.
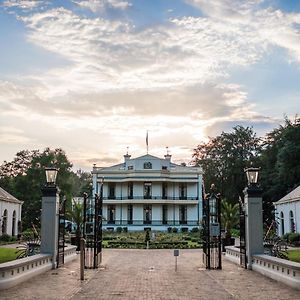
pixel 292 238
pixel 224 158
pixel 25 175
pixel 147 236
pixel 229 216
pixel 7 254
pixel 163 240
pixel 280 162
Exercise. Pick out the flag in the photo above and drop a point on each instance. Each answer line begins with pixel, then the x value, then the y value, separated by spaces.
pixel 147 141
pixel 147 138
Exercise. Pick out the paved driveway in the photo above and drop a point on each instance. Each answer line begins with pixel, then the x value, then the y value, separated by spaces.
pixel 150 274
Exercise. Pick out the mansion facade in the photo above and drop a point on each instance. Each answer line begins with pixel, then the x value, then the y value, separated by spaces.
pixel 148 192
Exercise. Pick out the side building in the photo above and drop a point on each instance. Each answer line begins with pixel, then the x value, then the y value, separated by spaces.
pixel 10 213
pixel 288 212
pixel 148 192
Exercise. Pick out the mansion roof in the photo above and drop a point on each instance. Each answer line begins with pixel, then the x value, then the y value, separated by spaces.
pixel 147 163
pixel 294 195
pixel 7 197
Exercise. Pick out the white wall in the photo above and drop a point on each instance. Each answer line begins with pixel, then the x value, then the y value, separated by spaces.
pixel 286 208
pixel 10 207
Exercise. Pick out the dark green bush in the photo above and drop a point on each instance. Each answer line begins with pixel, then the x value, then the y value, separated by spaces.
pixel 119 229
pixel 125 229
pixel 5 238
pixel 184 229
pixel 195 230
pixel 174 230
pixel 169 229
pixel 294 237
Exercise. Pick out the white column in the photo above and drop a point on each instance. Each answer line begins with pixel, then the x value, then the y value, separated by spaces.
pixel 49 222
pixel 254 223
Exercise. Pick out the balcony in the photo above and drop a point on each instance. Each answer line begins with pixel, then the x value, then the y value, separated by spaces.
pixel 159 197
pixel 152 223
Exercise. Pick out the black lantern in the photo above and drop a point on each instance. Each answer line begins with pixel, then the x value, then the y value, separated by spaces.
pixel 51 174
pixel 252 175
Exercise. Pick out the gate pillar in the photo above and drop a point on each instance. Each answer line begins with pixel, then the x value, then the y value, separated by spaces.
pixel 49 221
pixel 254 222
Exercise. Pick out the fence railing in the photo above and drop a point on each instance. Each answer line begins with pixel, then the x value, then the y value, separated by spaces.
pixel 158 197
pixel 108 223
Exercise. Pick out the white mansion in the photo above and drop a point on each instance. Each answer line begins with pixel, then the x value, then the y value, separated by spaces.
pixel 150 192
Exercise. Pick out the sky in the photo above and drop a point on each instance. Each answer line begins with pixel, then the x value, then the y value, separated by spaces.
pixel 93 76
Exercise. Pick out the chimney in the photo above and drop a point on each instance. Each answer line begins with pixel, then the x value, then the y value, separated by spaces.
pixel 126 158
pixel 168 157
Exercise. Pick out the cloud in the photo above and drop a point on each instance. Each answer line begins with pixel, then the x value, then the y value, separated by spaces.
pixel 25 5
pixel 99 5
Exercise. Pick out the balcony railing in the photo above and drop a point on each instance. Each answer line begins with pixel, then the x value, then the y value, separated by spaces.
pixel 150 197
pixel 152 223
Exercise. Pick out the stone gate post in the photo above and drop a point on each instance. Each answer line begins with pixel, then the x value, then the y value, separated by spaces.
pixel 49 222
pixel 254 222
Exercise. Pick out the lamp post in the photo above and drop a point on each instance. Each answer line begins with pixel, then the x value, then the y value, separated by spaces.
pixel 253 215
pixel 50 215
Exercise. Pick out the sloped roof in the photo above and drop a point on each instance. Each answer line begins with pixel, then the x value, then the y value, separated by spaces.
pixel 5 196
pixel 294 195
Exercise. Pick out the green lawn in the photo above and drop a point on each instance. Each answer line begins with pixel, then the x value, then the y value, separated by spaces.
pixel 294 255
pixel 7 254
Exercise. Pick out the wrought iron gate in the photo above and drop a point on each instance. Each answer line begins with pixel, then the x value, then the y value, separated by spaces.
pixel 92 230
pixel 243 254
pixel 61 234
pixel 212 251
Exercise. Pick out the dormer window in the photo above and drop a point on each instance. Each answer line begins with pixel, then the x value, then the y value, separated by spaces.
pixel 148 165
pixel 164 168
pixel 130 167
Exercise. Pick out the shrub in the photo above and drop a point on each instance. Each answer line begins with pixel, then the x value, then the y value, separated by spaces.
pixel 174 229
pixel 5 238
pixel 184 229
pixel 119 229
pixel 147 236
pixel 195 230
pixel 169 229
pixel 125 229
pixel 294 237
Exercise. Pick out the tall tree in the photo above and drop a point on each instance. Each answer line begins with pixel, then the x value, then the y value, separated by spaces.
pixel 224 158
pixel 25 176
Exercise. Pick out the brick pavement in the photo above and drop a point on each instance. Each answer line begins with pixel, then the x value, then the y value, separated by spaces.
pixel 150 274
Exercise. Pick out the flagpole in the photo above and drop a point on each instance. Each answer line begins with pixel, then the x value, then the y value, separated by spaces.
pixel 147 142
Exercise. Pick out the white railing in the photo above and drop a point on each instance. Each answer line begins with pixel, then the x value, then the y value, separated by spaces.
pixel 20 270
pixel 278 269
pixel 285 271
pixel 233 254
pixel 17 271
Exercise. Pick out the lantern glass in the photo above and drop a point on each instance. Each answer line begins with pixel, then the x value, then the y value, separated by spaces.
pixel 51 174
pixel 252 175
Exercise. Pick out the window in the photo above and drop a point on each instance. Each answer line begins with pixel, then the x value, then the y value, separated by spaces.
pixel 111 214
pixel 182 214
pixel 292 223
pixel 147 190
pixel 182 191
pixel 130 190
pixel 147 214
pixel 4 222
pixel 165 214
pixel 164 190
pixel 111 191
pixel 164 168
pixel 129 214
pixel 13 231
pixel 148 165
pixel 130 167
pixel 282 223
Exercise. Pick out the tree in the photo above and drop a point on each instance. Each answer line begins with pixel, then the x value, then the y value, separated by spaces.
pixel 224 158
pixel 25 175
pixel 229 217
pixel 280 162
pixel 75 214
